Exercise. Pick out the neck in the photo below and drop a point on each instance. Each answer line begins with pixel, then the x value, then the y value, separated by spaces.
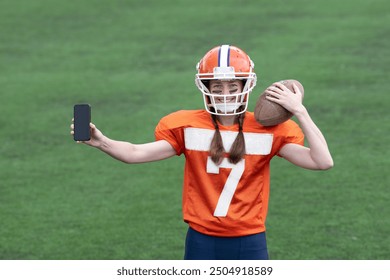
pixel 227 120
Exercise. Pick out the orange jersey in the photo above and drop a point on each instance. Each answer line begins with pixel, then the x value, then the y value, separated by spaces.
pixel 228 199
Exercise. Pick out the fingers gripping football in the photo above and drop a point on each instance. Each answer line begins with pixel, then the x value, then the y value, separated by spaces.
pixel 289 98
pixel 279 102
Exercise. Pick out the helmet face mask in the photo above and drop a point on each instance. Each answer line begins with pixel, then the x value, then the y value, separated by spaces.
pixel 225 63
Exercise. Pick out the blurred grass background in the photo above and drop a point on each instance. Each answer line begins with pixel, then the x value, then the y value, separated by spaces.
pixel 134 62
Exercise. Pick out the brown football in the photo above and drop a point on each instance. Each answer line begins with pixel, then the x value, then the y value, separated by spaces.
pixel 268 113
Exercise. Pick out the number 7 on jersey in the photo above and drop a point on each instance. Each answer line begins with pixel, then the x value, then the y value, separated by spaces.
pixel 230 186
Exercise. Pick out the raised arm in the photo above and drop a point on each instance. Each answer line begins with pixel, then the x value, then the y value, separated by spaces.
pixel 317 156
pixel 128 152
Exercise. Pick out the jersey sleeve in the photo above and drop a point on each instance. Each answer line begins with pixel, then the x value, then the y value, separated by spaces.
pixel 169 130
pixel 292 133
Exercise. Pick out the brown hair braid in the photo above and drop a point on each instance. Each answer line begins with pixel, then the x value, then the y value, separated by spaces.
pixel 237 151
pixel 216 146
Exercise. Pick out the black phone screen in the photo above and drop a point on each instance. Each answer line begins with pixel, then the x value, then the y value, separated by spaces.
pixel 82 118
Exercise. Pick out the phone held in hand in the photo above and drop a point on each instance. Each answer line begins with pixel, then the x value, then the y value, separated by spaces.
pixel 82 118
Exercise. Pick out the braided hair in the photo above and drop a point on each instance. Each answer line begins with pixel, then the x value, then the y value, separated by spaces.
pixel 237 151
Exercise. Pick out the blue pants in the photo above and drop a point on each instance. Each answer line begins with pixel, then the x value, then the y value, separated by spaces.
pixel 204 247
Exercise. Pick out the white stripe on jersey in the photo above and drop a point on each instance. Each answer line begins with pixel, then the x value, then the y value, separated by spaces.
pixel 199 139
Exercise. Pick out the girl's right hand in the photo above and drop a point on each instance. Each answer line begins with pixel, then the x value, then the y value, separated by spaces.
pixel 96 135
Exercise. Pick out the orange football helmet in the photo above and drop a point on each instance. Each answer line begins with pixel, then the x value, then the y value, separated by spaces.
pixel 224 63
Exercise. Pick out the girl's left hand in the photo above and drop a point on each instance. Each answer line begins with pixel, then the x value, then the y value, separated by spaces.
pixel 280 94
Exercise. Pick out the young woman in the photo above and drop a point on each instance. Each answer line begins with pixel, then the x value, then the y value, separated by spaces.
pixel 228 154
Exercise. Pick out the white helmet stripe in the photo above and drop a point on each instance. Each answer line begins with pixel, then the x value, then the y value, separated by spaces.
pixel 223 56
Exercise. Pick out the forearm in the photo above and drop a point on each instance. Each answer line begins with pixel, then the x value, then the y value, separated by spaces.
pixel 136 153
pixel 120 150
pixel 319 151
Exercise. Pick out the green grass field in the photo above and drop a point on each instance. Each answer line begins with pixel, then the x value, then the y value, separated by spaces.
pixel 134 62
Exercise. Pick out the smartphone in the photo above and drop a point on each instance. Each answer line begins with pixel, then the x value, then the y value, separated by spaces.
pixel 82 118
